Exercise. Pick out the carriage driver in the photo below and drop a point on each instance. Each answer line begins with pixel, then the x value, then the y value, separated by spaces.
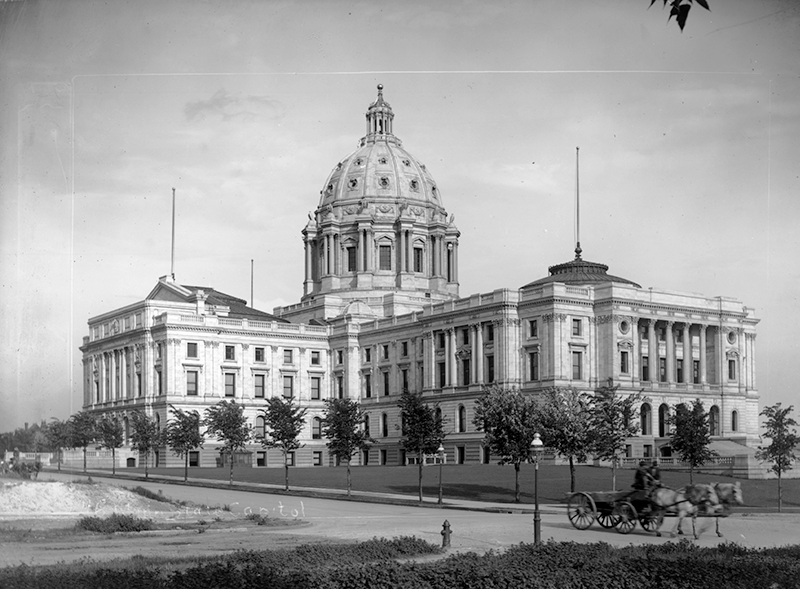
pixel 655 474
pixel 642 478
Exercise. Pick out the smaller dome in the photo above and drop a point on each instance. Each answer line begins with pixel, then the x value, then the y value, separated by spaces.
pixel 579 272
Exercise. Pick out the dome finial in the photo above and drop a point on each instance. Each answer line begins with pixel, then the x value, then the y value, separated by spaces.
pixel 380 92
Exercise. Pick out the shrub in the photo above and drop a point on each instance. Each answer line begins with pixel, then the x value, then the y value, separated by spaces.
pixel 114 523
pixel 259 519
pixel 148 494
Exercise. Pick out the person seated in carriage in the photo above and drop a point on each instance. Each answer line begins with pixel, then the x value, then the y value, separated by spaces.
pixel 641 477
pixel 654 473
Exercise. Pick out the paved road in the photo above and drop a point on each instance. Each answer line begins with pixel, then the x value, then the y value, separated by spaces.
pixel 476 531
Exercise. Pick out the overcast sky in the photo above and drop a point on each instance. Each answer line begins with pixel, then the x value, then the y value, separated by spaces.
pixel 689 143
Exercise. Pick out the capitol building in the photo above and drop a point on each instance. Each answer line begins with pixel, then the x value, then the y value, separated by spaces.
pixel 381 313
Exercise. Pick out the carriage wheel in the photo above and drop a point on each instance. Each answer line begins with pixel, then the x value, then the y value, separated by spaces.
pixel 651 521
pixel 607 520
pixel 627 517
pixel 581 510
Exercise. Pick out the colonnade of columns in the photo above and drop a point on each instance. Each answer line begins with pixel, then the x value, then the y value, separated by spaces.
pixel 114 374
pixel 453 353
pixel 667 371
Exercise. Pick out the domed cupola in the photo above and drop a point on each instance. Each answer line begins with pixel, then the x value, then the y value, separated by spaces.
pixel 380 226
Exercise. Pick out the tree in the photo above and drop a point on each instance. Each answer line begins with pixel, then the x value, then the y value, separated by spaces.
pixel 509 420
pixel 183 435
pixel 58 437
pixel 83 431
pixel 422 428
pixel 612 424
pixel 145 436
pixel 565 425
pixel 343 427
pixel 780 452
pixel 110 435
pixel 283 422
pixel 226 422
pixel 691 436
pixel 680 9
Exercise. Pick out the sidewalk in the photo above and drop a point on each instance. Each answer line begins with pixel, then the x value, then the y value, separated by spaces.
pixel 338 494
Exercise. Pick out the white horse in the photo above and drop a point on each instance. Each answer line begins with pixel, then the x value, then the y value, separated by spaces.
pixel 728 495
pixel 686 501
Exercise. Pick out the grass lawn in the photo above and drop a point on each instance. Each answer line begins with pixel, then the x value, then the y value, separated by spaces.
pixel 484 482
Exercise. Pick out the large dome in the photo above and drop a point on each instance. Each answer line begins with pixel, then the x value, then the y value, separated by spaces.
pixel 380 169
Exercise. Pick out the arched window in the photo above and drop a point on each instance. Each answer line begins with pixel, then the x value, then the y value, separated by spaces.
pixel 316 429
pixel 713 421
pixel 462 418
pixel 663 416
pixel 366 425
pixel 734 420
pixel 645 418
pixel 260 426
pixel 384 425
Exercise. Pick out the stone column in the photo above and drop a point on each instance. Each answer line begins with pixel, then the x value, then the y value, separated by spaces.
pixel 688 360
pixel 362 252
pixel 652 351
pixel 402 257
pixel 752 360
pixel 309 276
pixel 455 261
pixel 452 367
pixel 370 250
pixel 670 345
pixel 473 339
pixel 479 354
pixel 703 379
pixel 428 360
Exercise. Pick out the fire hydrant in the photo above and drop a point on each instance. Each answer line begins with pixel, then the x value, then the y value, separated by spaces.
pixel 445 534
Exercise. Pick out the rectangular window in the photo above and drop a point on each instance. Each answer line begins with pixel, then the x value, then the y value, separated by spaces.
pixel 138 384
pixel 534 365
pixel 191 350
pixel 679 370
pixel 261 458
pixel 367 354
pixel 191 383
pixel 384 455
pixel 339 356
pixel 533 328
pixel 490 332
pixel 158 351
pixel 385 352
pixel 404 379
pixel 404 349
pixel 230 352
pixel 385 253
pixel 340 387
pixel 576 327
pixel 258 386
pixel 624 363
pixel 159 388
pixel 440 340
pixel 194 458
pixel 386 383
pixel 662 369
pixel 230 384
pixel 290 458
pixel 351 259
pixel 696 371
pixel 316 385
pixel 259 354
pixel 490 368
pixel 287 356
pixel 316 429
pixel 577 365
pixel 315 358
pixel 465 337
pixel 731 369
pixel 317 455
pixel 418 259
pixel 465 379
pixel 288 387
pixel 368 386
pixel 442 374
pixel 645 368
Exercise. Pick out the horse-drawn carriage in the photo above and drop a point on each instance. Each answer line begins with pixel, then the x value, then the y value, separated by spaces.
pixel 614 509
pixel 621 510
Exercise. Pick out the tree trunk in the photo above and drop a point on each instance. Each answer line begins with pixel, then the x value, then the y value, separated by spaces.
pixel 691 473
pixel 230 480
pixel 285 471
pixel 59 460
pixel 516 482
pixel 614 473
pixel 186 467
pixel 571 475
pixel 113 461
pixel 84 459
pixel 348 477
pixel 780 493
pixel 146 460
pixel 419 466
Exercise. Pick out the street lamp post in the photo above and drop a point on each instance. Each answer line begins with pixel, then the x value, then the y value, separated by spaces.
pixel 440 454
pixel 537 448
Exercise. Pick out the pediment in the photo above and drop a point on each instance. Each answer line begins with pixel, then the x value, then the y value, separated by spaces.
pixel 164 291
